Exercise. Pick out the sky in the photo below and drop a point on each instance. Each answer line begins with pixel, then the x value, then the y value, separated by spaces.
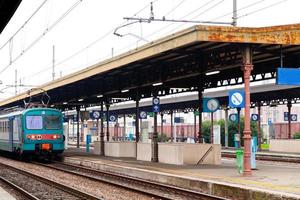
pixel 81 31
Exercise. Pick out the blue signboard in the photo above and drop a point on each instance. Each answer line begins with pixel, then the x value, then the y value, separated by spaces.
pixel 236 98
pixel 113 118
pixel 95 114
pixel 293 117
pixel 143 115
pixel 155 105
pixel 233 117
pixel 288 76
pixel 254 117
pixel 178 120
pixel 269 121
pixel 286 116
pixel 210 105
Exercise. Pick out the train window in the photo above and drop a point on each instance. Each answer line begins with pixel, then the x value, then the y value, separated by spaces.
pixel 52 122
pixel 34 122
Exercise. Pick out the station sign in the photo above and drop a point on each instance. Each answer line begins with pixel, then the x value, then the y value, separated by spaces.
pixel 155 105
pixel 95 114
pixel 236 98
pixel 210 105
pixel 143 115
pixel 269 121
pixel 254 117
pixel 178 120
pixel 113 118
pixel 294 117
pixel 233 117
pixel 288 76
pixel 286 116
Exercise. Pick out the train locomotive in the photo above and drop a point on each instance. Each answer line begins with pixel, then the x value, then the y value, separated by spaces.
pixel 32 131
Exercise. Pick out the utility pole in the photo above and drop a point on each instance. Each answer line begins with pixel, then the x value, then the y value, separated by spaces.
pixel 53 63
pixel 16 81
pixel 234 13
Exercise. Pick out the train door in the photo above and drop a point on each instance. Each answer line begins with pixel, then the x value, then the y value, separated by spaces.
pixel 11 134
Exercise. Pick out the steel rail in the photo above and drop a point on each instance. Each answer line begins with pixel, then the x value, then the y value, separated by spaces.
pixel 18 189
pixel 114 176
pixel 52 183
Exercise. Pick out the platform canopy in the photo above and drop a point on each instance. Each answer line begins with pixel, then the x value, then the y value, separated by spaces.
pixel 7 10
pixel 181 62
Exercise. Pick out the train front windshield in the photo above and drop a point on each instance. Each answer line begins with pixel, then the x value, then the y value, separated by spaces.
pixel 52 122
pixel 49 122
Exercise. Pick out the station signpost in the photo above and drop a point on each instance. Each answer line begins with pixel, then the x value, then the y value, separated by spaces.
pixel 211 105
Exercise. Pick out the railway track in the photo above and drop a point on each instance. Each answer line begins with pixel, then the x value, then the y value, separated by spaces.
pixel 274 158
pixel 36 187
pixel 154 189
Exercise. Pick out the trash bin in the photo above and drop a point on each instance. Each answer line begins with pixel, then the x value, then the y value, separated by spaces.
pixel 240 160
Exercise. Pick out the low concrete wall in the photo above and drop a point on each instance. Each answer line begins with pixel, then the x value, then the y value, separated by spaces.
pixel 183 153
pixel 144 151
pixel 120 149
pixel 97 147
pixel 285 145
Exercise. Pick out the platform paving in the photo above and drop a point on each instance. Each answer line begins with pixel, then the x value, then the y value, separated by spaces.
pixel 280 180
pixel 4 195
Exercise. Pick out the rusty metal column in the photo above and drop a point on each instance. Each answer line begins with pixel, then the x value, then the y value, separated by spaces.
pixel 247 68
pixel 137 128
pixel 161 123
pixel 200 97
pixel 78 134
pixel 258 128
pixel 226 127
pixel 107 121
pixel 289 105
pixel 102 131
pixel 172 131
pixel 239 126
pixel 195 126
pixel 212 128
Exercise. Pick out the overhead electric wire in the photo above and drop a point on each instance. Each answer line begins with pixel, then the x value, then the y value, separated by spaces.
pixel 24 24
pixel 243 8
pixel 43 34
pixel 266 7
pixel 86 47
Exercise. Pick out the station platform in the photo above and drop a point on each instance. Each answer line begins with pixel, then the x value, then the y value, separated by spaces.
pixel 271 180
pixel 4 195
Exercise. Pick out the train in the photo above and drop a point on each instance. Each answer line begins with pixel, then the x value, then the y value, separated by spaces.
pixel 32 132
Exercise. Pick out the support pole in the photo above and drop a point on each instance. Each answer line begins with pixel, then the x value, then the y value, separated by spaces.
pixel 137 128
pixel 172 131
pixel 154 140
pixel 239 126
pixel 78 113
pixel 212 128
pixel 234 13
pixel 200 97
pixel 161 123
pixel 102 131
pixel 107 121
pixel 289 105
pixel 226 127
pixel 195 126
pixel 124 127
pixel 247 68
pixel 258 127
